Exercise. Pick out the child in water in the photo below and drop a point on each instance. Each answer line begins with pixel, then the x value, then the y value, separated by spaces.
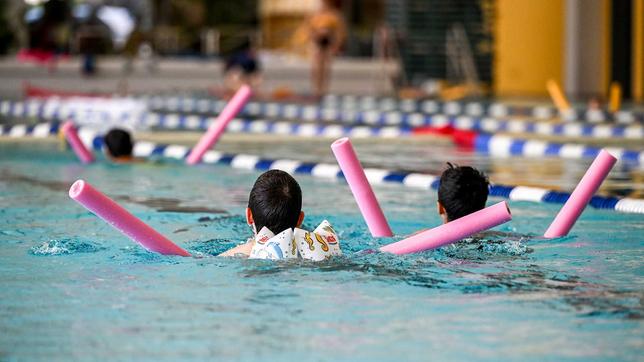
pixel 275 202
pixel 118 146
pixel 462 191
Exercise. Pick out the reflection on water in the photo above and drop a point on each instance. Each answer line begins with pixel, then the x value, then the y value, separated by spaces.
pixel 161 204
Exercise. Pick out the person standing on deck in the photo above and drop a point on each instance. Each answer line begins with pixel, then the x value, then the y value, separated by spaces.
pixel 327 32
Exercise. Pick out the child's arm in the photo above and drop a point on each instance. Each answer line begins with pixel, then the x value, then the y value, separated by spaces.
pixel 239 250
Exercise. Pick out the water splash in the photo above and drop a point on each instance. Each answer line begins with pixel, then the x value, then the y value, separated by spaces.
pixel 65 246
pixel 507 247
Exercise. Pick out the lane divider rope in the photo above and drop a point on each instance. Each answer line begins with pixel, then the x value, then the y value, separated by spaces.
pixel 494 145
pixel 376 176
pixel 477 108
pixel 506 146
pixel 34 108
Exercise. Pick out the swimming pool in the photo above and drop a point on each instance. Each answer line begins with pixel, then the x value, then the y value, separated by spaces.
pixel 73 288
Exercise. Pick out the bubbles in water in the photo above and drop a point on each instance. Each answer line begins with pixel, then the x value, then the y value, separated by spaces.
pixel 507 247
pixel 65 246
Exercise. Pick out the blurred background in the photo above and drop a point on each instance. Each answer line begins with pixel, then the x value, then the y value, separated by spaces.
pixel 407 48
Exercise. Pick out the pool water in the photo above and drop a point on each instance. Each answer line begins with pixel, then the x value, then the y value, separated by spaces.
pixel 72 288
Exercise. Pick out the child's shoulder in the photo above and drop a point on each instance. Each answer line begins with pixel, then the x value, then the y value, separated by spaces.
pixel 242 250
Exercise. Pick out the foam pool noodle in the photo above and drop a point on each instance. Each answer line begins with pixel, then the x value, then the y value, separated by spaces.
pixel 75 142
pixel 121 219
pixel 615 96
pixel 453 231
pixel 582 194
pixel 218 127
pixel 360 187
pixel 558 97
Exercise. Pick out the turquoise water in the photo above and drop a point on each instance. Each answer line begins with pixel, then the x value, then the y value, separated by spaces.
pixel 72 288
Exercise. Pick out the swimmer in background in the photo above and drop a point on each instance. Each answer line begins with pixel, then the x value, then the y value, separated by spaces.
pixel 118 146
pixel 275 201
pixel 242 68
pixel 462 191
pixel 327 31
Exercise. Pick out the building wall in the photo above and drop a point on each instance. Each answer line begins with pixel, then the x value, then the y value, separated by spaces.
pixel 587 48
pixel 281 20
pixel 593 48
pixel 638 50
pixel 529 38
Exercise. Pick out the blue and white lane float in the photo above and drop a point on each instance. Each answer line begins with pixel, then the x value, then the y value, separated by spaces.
pixel 376 176
pixel 255 126
pixel 39 109
pixel 494 145
pixel 330 171
pixel 474 108
pixel 317 113
pixel 311 113
pixel 506 146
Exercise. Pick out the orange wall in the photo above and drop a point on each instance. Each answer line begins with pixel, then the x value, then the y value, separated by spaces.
pixel 529 36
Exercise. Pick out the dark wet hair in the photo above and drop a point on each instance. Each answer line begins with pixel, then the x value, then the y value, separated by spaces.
pixel 118 143
pixel 275 201
pixel 462 191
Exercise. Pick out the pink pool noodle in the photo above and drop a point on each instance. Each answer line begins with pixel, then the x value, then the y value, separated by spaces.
pixel 121 219
pixel 77 145
pixel 360 187
pixel 579 198
pixel 219 126
pixel 453 231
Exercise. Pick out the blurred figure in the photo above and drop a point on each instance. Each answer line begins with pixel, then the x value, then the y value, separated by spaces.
pixel 93 39
pixel 138 45
pixel 13 32
pixel 327 31
pixel 48 33
pixel 242 68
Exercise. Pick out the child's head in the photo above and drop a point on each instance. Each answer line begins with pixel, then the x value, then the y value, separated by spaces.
pixel 118 143
pixel 462 191
pixel 275 202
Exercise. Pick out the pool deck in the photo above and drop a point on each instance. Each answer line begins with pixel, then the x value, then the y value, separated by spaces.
pixel 361 76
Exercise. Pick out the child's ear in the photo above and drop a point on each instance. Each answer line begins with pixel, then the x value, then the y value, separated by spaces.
pixel 106 153
pixel 441 211
pixel 249 216
pixel 299 221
